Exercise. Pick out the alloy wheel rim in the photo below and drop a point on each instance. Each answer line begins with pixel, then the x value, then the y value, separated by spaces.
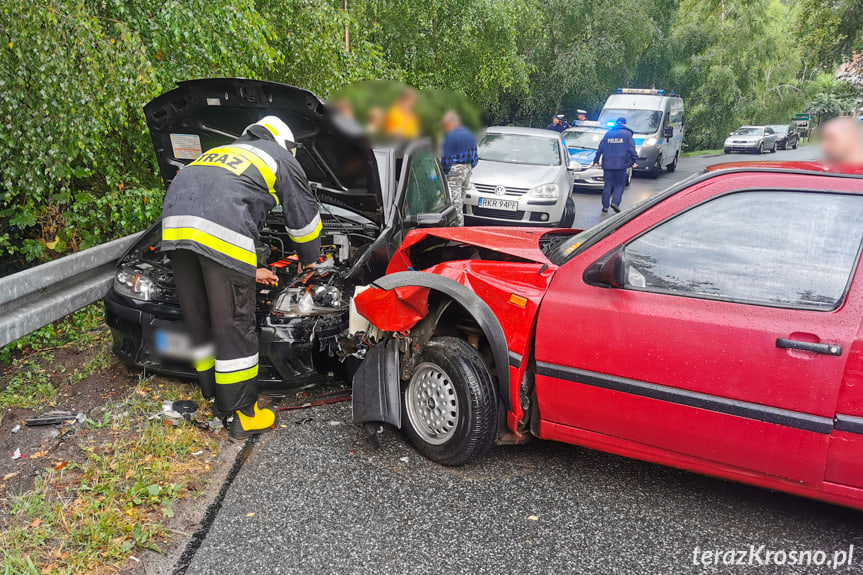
pixel 432 404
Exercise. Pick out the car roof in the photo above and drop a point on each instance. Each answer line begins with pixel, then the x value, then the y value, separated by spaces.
pixel 518 130
pixel 788 167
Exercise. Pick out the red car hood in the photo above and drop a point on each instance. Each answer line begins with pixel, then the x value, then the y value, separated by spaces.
pixel 518 242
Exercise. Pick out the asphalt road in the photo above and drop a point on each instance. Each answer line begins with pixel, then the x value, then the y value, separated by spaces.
pixel 588 204
pixel 315 497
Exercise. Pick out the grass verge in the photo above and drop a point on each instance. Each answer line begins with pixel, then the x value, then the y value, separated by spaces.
pixel 90 514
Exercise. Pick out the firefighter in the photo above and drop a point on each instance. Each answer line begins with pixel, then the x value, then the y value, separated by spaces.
pixel 616 154
pixel 211 215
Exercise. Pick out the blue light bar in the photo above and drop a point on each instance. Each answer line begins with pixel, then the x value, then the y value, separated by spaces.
pixel 649 91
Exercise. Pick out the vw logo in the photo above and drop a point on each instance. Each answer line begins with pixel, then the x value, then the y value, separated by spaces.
pixel 500 190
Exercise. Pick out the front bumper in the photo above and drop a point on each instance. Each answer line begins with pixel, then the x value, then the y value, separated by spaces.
pixel 590 178
pixel 530 211
pixel 742 146
pixel 646 158
pixel 292 355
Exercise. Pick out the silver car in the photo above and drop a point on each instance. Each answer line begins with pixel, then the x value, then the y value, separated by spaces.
pixel 752 139
pixel 522 176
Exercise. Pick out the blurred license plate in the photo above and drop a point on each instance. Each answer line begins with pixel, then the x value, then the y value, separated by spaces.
pixel 495 204
pixel 173 344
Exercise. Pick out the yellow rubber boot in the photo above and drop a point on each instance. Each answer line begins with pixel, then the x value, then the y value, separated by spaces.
pixel 244 425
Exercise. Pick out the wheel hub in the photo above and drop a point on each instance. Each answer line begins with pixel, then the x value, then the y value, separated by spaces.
pixel 432 404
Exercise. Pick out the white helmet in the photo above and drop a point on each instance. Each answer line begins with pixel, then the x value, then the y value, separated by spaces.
pixel 280 131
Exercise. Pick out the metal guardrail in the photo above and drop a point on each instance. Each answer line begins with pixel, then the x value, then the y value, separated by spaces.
pixel 35 297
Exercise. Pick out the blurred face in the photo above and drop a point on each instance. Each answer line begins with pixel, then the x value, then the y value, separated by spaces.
pixel 555 120
pixel 582 117
pixel 841 142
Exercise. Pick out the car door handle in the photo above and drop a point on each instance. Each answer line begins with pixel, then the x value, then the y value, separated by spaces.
pixel 822 348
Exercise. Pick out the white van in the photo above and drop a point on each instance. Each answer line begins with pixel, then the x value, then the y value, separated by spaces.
pixel 657 121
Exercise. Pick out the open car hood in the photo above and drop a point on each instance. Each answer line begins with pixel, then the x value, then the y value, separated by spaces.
pixel 202 114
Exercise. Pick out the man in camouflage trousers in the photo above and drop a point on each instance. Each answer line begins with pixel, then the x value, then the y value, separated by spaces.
pixel 458 159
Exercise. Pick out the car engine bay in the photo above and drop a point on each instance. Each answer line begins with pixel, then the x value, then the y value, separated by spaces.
pixel 302 320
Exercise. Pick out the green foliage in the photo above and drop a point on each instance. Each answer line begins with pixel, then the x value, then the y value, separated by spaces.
pixel 77 160
pixel 830 30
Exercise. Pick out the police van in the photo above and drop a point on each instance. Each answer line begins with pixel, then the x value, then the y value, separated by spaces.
pixel 656 118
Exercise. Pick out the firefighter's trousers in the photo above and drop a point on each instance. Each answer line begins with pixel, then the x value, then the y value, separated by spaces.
pixel 218 307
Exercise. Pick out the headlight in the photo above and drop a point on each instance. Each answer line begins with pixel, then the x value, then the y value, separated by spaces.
pixel 650 141
pixel 544 191
pixel 134 285
pixel 316 300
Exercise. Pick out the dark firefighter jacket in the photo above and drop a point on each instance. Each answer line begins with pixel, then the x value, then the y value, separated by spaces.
pixel 617 149
pixel 216 205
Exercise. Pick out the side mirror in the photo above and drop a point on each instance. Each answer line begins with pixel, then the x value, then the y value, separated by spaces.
pixel 730 133
pixel 669 131
pixel 431 220
pixel 608 271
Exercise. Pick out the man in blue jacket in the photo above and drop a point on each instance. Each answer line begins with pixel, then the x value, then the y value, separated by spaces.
pixel 616 154
pixel 458 158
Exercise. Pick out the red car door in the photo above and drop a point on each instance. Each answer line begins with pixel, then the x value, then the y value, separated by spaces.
pixel 726 335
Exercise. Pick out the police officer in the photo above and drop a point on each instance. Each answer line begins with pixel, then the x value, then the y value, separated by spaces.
pixel 616 154
pixel 211 215
pixel 558 124
pixel 580 117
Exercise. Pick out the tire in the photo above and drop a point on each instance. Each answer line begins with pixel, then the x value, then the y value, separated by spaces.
pixel 794 147
pixel 672 166
pixel 727 150
pixel 782 147
pixel 453 371
pixel 760 149
pixel 657 168
pixel 773 149
pixel 568 214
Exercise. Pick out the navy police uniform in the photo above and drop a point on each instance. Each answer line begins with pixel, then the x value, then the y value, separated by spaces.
pixel 616 154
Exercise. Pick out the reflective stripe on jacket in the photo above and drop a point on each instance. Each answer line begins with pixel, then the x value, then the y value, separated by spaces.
pixel 216 205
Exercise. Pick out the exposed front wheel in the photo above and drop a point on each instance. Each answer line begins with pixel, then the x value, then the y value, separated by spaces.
pixel 450 404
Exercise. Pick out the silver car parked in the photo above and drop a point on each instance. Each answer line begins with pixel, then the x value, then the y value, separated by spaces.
pixel 752 139
pixel 522 176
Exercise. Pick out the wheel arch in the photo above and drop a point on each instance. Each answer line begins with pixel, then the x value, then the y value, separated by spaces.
pixel 367 384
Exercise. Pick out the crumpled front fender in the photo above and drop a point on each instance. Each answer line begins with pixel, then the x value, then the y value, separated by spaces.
pixel 397 302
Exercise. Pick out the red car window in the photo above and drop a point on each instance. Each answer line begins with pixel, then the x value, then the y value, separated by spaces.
pixel 792 249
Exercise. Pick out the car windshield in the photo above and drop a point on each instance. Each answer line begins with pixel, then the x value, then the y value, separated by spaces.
pixel 779 129
pixel 586 139
pixel 639 121
pixel 748 132
pixel 520 149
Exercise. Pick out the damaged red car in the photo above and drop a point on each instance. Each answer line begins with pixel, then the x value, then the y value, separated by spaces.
pixel 717 327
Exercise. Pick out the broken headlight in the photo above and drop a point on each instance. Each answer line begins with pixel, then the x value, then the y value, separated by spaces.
pixel 134 285
pixel 312 300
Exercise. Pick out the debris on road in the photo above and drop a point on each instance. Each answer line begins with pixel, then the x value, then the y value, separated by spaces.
pixel 404 459
pixel 55 418
pixel 9 476
pixel 18 455
pixel 16 429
